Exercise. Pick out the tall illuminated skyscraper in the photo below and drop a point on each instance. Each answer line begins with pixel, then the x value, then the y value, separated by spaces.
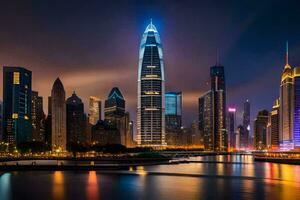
pixel 151 90
pixel 94 110
pixel 218 88
pixel 206 121
pixel 232 127
pixel 274 129
pixel 16 105
pixel 58 117
pixel 286 106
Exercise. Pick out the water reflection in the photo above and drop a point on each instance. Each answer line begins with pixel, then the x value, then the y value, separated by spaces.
pixel 92 186
pixel 5 186
pixel 58 185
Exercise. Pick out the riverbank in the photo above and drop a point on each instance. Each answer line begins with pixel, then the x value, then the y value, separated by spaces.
pixel 292 161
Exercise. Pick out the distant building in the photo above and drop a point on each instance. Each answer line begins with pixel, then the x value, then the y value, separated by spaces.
pixel 38 117
pixel 246 137
pixel 48 124
pixel 75 120
pixel 206 121
pixel 274 120
pixel 114 108
pixel 103 133
pixel 16 105
pixel 173 114
pixel 232 127
pixel 260 130
pixel 151 90
pixel 58 117
pixel 94 110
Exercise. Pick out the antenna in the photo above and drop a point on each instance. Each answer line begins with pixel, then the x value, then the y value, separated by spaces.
pixel 287 53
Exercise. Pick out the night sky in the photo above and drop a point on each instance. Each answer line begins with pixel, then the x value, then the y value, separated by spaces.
pixel 93 46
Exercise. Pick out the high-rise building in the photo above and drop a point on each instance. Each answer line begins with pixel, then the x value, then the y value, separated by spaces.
pixel 114 108
pixel 274 125
pixel 58 117
pixel 16 105
pixel 247 136
pixel 151 90
pixel 94 110
pixel 75 120
pixel 48 124
pixel 218 89
pixel 260 130
pixel 38 117
pixel 296 108
pixel 173 114
pixel 206 121
pixel 286 107
pixel 232 127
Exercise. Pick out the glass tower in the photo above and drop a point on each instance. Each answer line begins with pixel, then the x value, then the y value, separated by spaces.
pixel 151 90
pixel 16 105
pixel 173 110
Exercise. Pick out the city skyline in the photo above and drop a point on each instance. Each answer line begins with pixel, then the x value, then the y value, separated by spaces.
pixel 89 69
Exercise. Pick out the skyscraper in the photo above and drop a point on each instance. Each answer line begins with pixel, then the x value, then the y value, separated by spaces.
pixel 232 127
pixel 58 117
pixel 206 121
pixel 16 105
pixel 286 106
pixel 218 88
pixel 94 110
pixel 296 108
pixel 260 130
pixel 173 110
pixel 274 119
pixel 151 90
pixel 38 117
pixel 75 120
pixel 247 136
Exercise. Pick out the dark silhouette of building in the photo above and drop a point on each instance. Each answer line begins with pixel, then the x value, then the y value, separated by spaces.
pixel 246 126
pixel 48 124
pixel 16 105
pixel 104 133
pixel 114 108
pixel 260 130
pixel 76 120
pixel 38 118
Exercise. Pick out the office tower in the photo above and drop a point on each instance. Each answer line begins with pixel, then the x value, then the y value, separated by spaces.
pixel 114 108
pixel 94 110
pixel 286 107
pixel 1 118
pixel 260 130
pixel 58 117
pixel 48 124
pixel 247 136
pixel 173 110
pixel 296 108
pixel 75 120
pixel 232 127
pixel 218 89
pixel 151 90
pixel 206 121
pixel 38 117
pixel 274 122
pixel 16 105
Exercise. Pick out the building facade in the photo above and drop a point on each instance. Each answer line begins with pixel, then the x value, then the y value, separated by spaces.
pixel 274 125
pixel 94 110
pixel 17 126
pixel 151 90
pixel 173 112
pixel 247 136
pixel 232 128
pixel 38 117
pixel 260 130
pixel 58 117
pixel 76 120
pixel 218 88
pixel 206 121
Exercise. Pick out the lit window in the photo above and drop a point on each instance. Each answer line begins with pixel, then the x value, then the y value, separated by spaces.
pixel 26 117
pixel 16 78
pixel 15 115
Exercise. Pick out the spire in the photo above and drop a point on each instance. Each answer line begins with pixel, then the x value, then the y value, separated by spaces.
pixel 151 21
pixel 287 56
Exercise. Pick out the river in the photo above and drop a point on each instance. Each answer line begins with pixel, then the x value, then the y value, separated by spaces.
pixel 231 177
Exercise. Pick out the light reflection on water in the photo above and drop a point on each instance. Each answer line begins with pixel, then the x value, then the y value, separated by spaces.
pixel 183 181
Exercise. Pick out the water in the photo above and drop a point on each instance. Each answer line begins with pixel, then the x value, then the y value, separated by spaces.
pixel 237 178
